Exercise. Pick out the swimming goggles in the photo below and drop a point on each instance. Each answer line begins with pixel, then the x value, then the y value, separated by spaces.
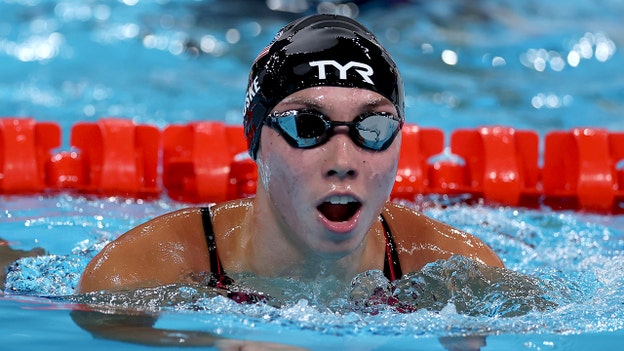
pixel 306 129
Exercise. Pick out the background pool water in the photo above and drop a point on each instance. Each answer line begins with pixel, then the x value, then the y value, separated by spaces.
pixel 527 64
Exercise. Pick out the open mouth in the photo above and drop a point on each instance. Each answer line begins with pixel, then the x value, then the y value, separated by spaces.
pixel 339 208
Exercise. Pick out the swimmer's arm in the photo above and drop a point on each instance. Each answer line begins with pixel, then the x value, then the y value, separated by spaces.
pixel 158 252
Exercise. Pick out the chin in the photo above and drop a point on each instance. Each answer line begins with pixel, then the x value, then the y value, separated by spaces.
pixel 338 249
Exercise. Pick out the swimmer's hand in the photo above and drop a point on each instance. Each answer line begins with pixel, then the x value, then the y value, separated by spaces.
pixel 469 287
pixel 474 289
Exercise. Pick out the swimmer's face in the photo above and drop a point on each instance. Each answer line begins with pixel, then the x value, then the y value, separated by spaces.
pixel 327 197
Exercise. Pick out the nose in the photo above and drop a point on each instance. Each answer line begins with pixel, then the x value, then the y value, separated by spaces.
pixel 342 159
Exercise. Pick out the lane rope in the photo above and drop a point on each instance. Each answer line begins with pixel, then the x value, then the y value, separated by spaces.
pixel 582 168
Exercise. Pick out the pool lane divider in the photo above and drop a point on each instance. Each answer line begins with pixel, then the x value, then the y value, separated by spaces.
pixel 581 169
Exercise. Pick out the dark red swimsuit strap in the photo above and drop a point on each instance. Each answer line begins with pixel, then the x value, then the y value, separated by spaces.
pixel 213 255
pixel 392 265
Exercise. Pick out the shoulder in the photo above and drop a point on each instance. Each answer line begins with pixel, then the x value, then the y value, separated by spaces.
pixel 154 253
pixel 230 215
pixel 422 239
pixel 164 250
pixel 406 221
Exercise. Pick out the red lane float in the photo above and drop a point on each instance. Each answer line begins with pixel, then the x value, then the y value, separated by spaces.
pixel 24 150
pixel 580 169
pixel 110 157
pixel 197 159
pixel 500 162
pixel 206 162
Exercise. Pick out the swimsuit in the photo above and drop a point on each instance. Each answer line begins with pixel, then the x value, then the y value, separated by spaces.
pixel 392 266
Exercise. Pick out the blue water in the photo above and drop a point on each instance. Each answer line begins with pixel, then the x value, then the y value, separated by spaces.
pixel 164 61
pixel 535 65
pixel 578 258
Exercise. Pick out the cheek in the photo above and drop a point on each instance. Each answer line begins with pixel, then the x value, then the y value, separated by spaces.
pixel 382 170
pixel 280 167
pixel 277 173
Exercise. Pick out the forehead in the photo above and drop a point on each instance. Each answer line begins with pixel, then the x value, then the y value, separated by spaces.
pixel 324 96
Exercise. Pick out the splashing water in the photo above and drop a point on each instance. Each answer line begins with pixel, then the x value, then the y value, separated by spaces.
pixel 564 276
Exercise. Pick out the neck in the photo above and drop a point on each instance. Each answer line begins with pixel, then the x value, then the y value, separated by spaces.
pixel 275 252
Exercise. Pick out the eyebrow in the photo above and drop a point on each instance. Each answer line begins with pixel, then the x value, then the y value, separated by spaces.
pixel 314 103
pixel 305 101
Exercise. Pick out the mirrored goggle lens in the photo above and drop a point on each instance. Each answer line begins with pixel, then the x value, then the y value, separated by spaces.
pixel 303 129
pixel 376 131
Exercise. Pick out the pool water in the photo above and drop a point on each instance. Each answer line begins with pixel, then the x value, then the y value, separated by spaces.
pixel 529 65
pixel 576 257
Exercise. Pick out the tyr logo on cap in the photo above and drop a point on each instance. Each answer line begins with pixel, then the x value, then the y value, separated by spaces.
pixel 363 69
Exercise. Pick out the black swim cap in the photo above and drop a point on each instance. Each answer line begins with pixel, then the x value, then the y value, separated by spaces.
pixel 318 50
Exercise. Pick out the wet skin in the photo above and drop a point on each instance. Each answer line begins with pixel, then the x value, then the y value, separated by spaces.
pixel 315 213
pixel 288 229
